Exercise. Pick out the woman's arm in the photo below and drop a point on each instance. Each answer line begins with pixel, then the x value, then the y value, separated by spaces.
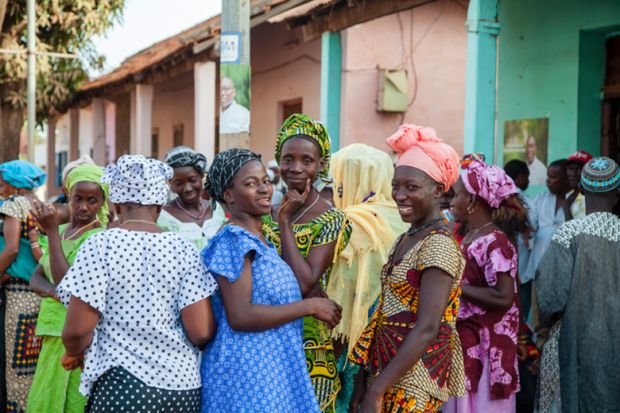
pixel 499 297
pixel 35 248
pixel 310 269
pixel 11 242
pixel 307 270
pixel 434 295
pixel 243 315
pixel 80 323
pixel 40 285
pixel 49 219
pixel 198 321
pixel 58 262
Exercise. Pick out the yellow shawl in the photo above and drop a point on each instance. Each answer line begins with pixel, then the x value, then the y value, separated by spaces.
pixel 362 189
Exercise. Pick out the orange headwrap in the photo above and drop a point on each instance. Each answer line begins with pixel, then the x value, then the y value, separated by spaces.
pixel 419 147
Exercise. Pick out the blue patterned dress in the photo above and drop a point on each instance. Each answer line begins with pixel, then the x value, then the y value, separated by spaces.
pixel 255 371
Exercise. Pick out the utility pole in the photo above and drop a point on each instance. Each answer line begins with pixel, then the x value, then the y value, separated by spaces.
pixel 32 78
pixel 235 74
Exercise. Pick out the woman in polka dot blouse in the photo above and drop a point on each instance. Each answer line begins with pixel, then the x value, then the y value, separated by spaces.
pixel 138 303
pixel 256 361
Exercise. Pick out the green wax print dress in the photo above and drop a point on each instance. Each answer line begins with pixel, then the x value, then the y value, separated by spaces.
pixel 331 226
pixel 54 389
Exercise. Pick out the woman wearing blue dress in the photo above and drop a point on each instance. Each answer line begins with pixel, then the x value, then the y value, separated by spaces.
pixel 256 361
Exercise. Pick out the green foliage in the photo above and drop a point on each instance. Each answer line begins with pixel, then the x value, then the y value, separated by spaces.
pixel 65 26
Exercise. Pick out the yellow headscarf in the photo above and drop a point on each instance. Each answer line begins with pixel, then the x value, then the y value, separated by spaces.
pixel 362 189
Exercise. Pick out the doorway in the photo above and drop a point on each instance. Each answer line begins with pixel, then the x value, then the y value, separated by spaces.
pixel 610 127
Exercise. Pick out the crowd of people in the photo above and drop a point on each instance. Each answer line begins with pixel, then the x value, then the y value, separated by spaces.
pixel 320 282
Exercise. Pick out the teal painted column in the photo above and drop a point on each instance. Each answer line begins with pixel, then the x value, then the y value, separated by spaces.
pixel 482 32
pixel 331 77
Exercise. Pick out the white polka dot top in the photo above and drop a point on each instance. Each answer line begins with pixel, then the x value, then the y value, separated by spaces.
pixel 139 282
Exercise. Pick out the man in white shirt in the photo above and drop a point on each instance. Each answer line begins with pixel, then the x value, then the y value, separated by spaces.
pixel 234 118
pixel 538 170
pixel 575 206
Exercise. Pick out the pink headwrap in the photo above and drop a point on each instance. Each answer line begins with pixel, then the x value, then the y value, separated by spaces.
pixel 419 147
pixel 489 182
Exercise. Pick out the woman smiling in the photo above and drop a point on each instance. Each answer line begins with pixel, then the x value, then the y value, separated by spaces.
pixel 410 350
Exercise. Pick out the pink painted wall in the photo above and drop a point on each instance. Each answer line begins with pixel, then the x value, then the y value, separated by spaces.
pixel 439 55
pixel 284 67
pixel 173 103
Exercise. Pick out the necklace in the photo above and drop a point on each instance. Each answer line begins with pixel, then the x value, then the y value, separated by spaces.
pixel 78 231
pixel 412 231
pixel 196 217
pixel 470 235
pixel 139 221
pixel 306 210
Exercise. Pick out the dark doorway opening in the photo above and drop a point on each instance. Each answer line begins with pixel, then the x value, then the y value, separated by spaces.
pixel 610 128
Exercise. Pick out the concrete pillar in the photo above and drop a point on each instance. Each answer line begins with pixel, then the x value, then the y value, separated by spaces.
pixel 204 108
pixel 110 131
pixel 74 134
pixel 52 189
pixel 480 89
pixel 140 129
pixel 86 138
pixel 99 149
pixel 331 79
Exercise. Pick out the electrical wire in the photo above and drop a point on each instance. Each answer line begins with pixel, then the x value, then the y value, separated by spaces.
pixel 287 63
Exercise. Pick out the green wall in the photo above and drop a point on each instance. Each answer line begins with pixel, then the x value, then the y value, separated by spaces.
pixel 551 60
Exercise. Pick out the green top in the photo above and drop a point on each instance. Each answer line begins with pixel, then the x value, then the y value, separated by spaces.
pixel 52 313
pixel 330 226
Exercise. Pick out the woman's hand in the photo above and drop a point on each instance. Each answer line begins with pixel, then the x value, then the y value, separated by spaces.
pixel 373 401
pixel 325 310
pixel 317 291
pixel 359 390
pixel 72 362
pixel 33 235
pixel 292 202
pixel 46 215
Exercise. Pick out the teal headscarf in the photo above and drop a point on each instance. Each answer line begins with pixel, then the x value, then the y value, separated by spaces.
pixel 91 173
pixel 22 174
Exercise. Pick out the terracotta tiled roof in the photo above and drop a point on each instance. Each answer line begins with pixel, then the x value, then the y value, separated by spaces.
pixel 155 53
pixel 167 48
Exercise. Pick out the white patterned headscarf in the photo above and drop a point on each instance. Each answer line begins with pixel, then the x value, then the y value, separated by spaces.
pixel 137 179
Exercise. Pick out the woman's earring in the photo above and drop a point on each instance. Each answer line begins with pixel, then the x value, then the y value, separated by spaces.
pixel 470 209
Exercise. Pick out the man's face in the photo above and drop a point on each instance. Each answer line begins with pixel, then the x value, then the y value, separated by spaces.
pixel 573 170
pixel 556 180
pixel 522 181
pixel 227 92
pixel 531 149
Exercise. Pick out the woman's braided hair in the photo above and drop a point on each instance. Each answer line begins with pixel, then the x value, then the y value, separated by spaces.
pixel 512 217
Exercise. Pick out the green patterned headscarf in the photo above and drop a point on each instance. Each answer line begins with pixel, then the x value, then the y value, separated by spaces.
pixel 299 124
pixel 91 173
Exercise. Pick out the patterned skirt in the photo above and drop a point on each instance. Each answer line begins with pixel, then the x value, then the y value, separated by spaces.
pixel 322 363
pixel 22 347
pixel 405 397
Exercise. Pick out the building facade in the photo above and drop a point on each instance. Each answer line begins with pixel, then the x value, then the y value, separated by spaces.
pixel 325 61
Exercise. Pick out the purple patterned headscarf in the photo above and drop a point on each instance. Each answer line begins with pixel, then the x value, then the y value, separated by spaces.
pixel 489 182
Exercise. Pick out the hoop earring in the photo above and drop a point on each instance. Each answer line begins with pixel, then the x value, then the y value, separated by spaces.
pixel 470 209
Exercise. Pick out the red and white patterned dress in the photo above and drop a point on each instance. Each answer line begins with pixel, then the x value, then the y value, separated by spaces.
pixel 489 337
